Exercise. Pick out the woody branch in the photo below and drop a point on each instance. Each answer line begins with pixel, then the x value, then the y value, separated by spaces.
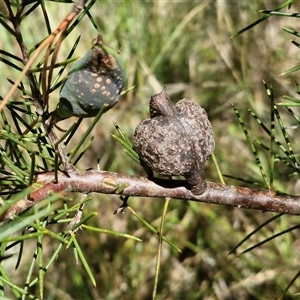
pixel 113 183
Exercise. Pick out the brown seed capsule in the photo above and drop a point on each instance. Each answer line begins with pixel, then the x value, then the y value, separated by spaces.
pixel 177 140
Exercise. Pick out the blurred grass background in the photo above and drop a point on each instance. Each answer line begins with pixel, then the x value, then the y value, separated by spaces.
pixel 186 47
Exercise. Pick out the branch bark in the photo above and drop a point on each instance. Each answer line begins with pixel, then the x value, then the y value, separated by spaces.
pixel 113 183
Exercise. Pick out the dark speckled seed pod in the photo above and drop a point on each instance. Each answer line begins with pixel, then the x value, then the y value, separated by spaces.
pixel 177 140
pixel 95 80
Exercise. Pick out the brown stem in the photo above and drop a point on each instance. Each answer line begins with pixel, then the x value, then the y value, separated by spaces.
pixel 113 183
pixel 59 147
pixel 15 20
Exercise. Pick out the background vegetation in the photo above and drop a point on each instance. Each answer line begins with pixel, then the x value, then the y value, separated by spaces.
pixel 185 46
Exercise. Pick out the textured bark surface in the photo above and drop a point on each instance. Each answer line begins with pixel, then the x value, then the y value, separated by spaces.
pixel 177 140
pixel 114 183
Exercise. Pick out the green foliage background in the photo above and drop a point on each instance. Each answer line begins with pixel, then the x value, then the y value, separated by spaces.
pixel 187 47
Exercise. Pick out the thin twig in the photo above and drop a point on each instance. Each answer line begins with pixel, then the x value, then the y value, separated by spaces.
pixel 113 183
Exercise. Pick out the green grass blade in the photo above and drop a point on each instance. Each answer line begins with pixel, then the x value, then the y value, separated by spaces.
pixel 41 265
pixel 293 99
pixel 283 149
pixel 29 11
pixel 270 238
pixel 243 180
pixel 16 289
pixel 70 132
pixel 88 131
pixel 66 62
pixel 51 261
pixel 159 250
pixel 293 114
pixel 252 147
pixel 151 228
pixel 285 136
pixel 10 64
pixel 287 3
pixel 220 175
pixel 276 156
pixel 82 259
pixel 247 237
pixel 126 143
pixel 289 71
pixel 128 149
pixel 289 285
pixel 80 17
pixel 270 94
pixel 83 150
pixel 46 18
pixel 279 13
pixel 30 272
pixel 17 58
pixel 110 232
